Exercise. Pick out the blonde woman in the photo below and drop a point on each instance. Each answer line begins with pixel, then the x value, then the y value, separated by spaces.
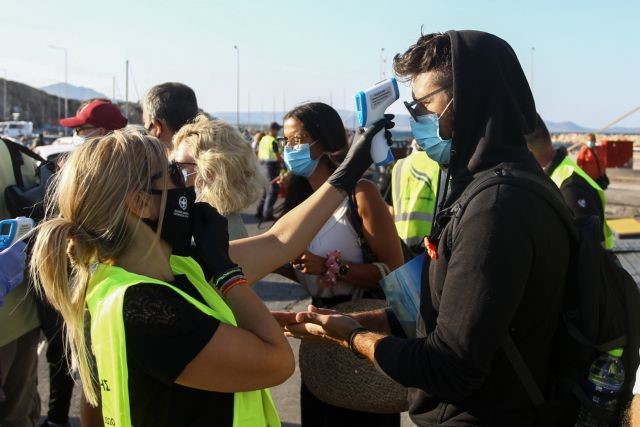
pixel 222 166
pixel 168 348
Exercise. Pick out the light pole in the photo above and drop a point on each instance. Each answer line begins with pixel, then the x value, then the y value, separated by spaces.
pixel 533 49
pixel 66 79
pixel 4 95
pixel 237 86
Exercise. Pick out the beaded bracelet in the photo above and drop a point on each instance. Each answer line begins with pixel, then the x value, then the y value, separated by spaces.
pixel 236 282
pixel 352 336
pixel 224 276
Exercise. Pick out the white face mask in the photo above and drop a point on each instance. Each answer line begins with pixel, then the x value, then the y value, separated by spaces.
pixel 77 139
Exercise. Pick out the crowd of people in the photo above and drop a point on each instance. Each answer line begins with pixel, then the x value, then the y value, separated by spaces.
pixel 142 266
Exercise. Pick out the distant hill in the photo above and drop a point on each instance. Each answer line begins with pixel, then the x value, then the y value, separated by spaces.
pixel 44 110
pixel 74 92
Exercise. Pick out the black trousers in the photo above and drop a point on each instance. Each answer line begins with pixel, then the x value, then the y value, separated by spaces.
pixel 270 194
pixel 60 381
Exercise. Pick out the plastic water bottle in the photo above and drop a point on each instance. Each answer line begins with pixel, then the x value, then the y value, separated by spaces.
pixel 606 376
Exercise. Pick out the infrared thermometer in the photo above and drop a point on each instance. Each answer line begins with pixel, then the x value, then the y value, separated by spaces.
pixel 370 107
pixel 14 230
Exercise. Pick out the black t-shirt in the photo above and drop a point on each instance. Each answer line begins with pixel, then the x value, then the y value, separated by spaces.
pixel 164 332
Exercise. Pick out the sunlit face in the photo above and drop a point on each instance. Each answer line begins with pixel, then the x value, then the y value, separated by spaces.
pixel 295 135
pixel 187 163
pixel 424 84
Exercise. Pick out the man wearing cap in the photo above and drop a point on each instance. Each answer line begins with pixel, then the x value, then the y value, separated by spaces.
pixel 271 161
pixel 95 117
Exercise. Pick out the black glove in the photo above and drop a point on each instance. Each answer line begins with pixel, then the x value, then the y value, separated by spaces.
pixel 358 158
pixel 211 234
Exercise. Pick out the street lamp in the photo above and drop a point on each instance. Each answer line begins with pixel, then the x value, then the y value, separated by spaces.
pixel 4 95
pixel 237 87
pixel 533 49
pixel 66 79
pixel 382 63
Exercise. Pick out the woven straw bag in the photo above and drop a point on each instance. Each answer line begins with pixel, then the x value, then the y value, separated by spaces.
pixel 336 376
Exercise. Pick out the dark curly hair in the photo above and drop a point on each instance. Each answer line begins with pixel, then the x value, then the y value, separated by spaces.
pixel 432 52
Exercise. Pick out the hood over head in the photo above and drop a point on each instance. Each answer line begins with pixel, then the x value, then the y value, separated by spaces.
pixel 493 105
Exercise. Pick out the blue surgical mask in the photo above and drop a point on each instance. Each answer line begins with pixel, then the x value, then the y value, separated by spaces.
pixel 426 131
pixel 298 160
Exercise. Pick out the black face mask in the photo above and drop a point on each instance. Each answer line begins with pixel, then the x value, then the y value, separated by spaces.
pixel 176 224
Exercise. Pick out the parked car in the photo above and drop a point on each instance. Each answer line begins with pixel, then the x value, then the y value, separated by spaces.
pixel 16 129
pixel 66 144
pixel 59 146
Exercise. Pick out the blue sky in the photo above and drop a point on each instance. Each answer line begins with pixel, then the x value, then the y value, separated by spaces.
pixel 585 65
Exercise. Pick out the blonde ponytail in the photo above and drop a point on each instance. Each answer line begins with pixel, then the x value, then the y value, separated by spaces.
pixel 86 223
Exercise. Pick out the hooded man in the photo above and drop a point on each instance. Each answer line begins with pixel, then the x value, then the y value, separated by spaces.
pixel 499 275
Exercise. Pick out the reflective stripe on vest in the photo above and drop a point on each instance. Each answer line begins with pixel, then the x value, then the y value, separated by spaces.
pixel 265 149
pixel 414 188
pixel 105 297
pixel 563 171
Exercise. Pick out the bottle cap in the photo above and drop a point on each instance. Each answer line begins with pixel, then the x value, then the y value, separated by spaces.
pixel 616 352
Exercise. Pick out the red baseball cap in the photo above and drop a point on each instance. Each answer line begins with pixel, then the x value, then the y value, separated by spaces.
pixel 101 114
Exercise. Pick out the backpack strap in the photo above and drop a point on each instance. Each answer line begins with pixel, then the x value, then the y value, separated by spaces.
pixel 540 186
pixel 16 151
pixel 356 221
pixel 522 371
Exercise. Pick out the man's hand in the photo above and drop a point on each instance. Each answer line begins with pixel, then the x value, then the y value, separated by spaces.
pixel 322 323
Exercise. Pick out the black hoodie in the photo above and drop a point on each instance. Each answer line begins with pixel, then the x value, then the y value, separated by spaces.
pixel 502 272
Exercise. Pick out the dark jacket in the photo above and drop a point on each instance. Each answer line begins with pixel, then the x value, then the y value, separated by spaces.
pixel 502 271
pixel 581 198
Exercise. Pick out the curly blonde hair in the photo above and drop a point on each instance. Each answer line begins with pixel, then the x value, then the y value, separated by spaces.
pixel 229 177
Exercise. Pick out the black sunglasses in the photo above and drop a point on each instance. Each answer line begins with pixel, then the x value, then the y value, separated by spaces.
pixel 175 175
pixel 411 106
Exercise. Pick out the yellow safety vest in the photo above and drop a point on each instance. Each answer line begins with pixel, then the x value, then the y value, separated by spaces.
pixel 563 171
pixel 265 149
pixel 414 190
pixel 105 296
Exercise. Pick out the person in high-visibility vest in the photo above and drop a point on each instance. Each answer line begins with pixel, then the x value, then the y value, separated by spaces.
pixel 271 161
pixel 414 188
pixel 581 193
pixel 172 340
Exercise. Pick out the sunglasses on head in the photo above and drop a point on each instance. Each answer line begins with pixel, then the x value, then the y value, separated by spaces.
pixel 176 175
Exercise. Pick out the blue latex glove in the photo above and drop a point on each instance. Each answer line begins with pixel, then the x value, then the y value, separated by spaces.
pixel 12 262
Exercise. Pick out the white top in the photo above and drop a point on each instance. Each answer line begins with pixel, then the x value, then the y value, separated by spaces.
pixel 336 233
